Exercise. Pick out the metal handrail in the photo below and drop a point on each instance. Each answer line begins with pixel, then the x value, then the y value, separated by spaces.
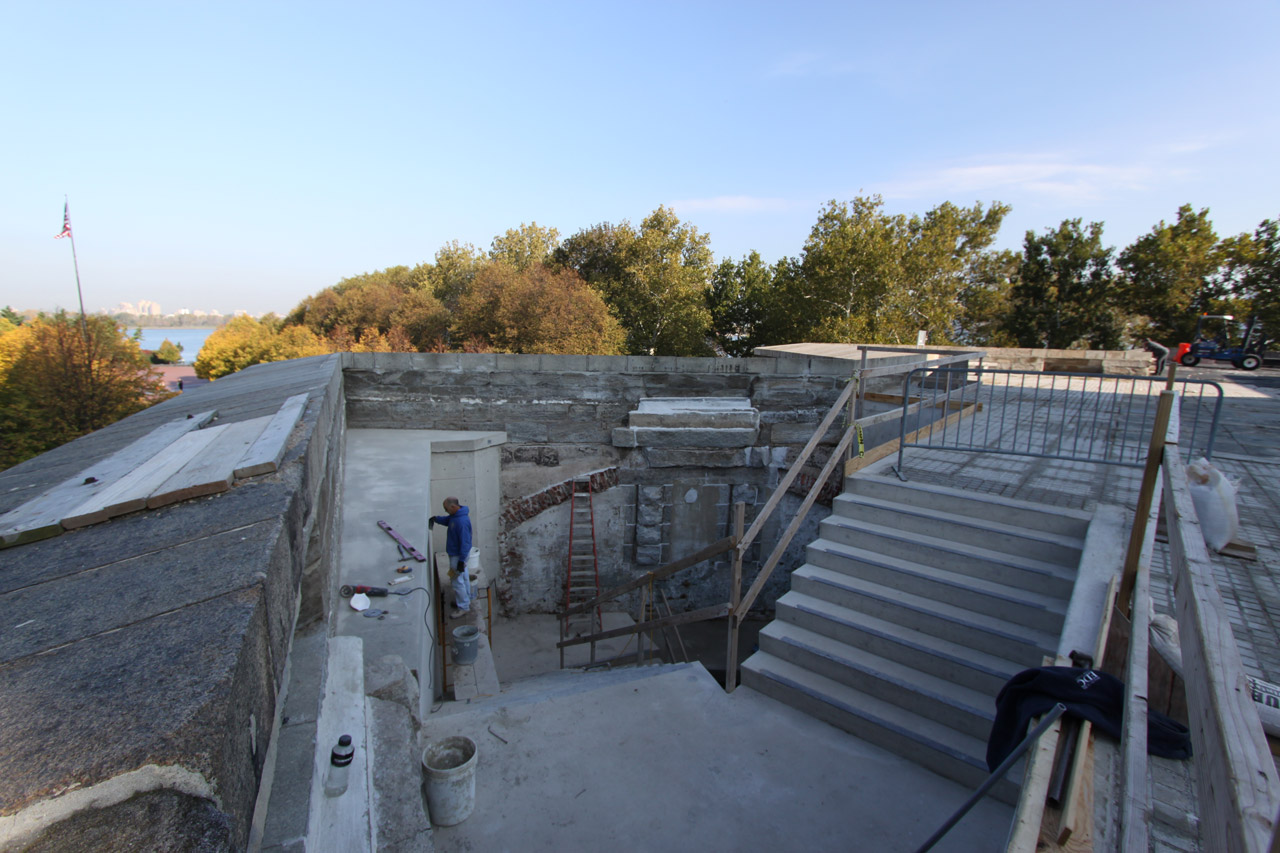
pixel 1046 721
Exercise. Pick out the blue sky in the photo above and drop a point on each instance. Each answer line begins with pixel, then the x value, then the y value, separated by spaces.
pixel 237 156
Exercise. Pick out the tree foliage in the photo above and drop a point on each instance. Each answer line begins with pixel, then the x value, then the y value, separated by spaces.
pixel 654 280
pixel 1064 293
pixel 736 301
pixel 395 303
pixel 536 309
pixel 525 246
pixel 872 277
pixel 1255 261
pixel 168 353
pixel 61 379
pixel 1173 274
pixel 245 341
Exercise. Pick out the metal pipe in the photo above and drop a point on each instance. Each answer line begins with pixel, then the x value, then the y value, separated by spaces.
pixel 996 775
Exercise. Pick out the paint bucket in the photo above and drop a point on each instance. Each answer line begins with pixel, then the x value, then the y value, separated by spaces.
pixel 449 767
pixel 466 644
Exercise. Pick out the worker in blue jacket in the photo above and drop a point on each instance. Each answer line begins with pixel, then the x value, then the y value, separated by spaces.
pixel 457 546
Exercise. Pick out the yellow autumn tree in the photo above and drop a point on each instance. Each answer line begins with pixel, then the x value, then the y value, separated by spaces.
pixel 245 341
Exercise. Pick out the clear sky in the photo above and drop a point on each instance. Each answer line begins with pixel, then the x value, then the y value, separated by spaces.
pixel 226 155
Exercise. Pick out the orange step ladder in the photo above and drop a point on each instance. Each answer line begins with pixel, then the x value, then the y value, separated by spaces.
pixel 582 579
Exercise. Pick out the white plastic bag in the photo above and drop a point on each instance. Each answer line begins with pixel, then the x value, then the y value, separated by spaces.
pixel 1215 499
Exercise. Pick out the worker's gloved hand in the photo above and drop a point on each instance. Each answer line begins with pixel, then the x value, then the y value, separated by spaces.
pixel 462 567
pixel 431 522
pixel 452 574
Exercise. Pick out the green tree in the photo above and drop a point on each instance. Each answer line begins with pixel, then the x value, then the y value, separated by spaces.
pixel 872 277
pixel 451 276
pixel 985 300
pixel 537 309
pixel 525 246
pixel 1064 293
pixel 655 280
pixel 169 353
pixel 1255 265
pixel 60 380
pixel 13 317
pixel 737 297
pixel 245 341
pixel 1172 275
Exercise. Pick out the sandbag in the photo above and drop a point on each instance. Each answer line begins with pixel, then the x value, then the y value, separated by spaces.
pixel 1214 497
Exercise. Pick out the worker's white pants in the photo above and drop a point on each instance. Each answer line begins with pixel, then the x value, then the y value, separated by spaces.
pixel 461 585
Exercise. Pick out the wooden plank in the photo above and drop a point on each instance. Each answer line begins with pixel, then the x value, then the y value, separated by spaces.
pixel 715 611
pixel 1150 475
pixel 1135 795
pixel 1237 784
pixel 41 517
pixel 767 569
pixel 875 454
pixel 735 595
pixel 888 398
pixel 1240 550
pixel 794 471
pixel 129 494
pixel 1029 815
pixel 264 455
pixel 657 574
pixel 212 469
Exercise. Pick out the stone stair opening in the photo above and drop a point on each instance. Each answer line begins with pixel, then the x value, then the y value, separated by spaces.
pixel 915 605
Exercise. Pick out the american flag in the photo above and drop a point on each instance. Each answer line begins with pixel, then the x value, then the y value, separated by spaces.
pixel 66 223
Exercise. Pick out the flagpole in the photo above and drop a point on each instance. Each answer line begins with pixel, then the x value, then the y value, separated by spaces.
pixel 84 326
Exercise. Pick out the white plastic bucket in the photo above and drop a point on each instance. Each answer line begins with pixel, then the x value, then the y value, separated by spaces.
pixel 449 766
pixel 466 644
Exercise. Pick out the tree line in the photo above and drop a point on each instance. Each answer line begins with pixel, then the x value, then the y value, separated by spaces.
pixel 863 275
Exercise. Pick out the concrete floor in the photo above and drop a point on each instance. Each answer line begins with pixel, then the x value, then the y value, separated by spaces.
pixel 657 757
pixel 660 758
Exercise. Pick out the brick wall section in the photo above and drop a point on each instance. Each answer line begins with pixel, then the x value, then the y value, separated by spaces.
pixel 518 511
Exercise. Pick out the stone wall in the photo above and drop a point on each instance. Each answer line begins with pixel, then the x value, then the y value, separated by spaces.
pixel 653 502
pixel 146 678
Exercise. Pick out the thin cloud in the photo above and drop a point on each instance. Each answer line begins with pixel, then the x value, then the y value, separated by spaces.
pixel 734 204
pixel 1058 178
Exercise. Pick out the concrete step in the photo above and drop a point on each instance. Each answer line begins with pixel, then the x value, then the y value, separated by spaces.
pixel 1018 643
pixel 938 699
pixel 993 533
pixel 1011 604
pixel 1008 569
pixel 926 742
pixel 1059 520
pixel 977 670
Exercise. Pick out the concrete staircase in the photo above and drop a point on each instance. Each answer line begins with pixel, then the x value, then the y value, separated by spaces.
pixel 916 604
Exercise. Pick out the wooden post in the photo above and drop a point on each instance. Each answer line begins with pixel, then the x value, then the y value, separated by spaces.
pixel 735 595
pixel 1150 478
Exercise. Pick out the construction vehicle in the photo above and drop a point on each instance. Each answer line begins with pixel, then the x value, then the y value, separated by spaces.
pixel 1247 355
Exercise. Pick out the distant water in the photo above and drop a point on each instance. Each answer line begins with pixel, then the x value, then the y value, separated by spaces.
pixel 189 339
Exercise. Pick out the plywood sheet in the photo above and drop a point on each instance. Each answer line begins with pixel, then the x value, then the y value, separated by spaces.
pixel 129 494
pixel 264 455
pixel 212 469
pixel 41 517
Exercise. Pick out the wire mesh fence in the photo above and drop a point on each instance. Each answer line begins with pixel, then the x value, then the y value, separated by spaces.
pixel 1083 417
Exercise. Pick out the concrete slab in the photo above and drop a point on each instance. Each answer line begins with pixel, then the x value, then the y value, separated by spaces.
pixel 526 646
pixel 387 477
pixel 670 762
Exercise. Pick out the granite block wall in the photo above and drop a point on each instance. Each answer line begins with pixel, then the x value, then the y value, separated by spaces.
pixel 652 503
